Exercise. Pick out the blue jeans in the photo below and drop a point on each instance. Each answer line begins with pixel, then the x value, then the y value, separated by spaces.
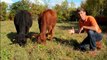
pixel 91 40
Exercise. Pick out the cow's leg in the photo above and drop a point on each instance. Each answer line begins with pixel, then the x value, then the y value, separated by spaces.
pixel 51 32
pixel 26 32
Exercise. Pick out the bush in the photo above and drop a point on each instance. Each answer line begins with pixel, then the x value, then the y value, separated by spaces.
pixel 3 7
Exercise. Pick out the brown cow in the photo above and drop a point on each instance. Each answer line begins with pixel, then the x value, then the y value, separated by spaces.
pixel 47 22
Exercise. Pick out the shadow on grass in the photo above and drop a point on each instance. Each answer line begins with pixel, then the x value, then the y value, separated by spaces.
pixel 73 43
pixel 12 36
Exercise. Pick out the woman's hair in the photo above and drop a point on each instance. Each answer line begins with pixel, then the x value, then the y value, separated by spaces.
pixel 81 9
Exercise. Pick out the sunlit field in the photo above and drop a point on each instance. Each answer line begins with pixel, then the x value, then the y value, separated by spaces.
pixel 63 47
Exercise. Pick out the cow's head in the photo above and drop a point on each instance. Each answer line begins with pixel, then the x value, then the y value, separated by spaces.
pixel 21 39
pixel 41 38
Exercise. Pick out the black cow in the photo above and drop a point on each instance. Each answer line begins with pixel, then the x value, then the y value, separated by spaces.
pixel 22 22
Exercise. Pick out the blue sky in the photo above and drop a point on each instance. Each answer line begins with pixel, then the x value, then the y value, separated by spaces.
pixel 15 0
pixel 52 2
pixel 77 2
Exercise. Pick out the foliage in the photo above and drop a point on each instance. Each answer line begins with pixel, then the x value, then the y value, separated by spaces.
pixel 74 16
pixel 36 9
pixel 20 5
pixel 3 11
pixel 64 11
pixel 95 7
pixel 105 8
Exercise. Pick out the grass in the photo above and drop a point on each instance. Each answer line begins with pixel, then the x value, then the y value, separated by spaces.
pixel 62 47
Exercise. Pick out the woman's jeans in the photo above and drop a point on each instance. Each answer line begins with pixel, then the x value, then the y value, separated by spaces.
pixel 90 40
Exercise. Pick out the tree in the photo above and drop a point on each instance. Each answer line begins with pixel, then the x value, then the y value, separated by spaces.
pixel 20 5
pixel 94 7
pixel 72 5
pixel 104 11
pixel 3 8
pixel 64 11
pixel 36 9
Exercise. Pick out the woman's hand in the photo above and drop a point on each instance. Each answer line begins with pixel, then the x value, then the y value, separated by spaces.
pixel 80 30
pixel 72 31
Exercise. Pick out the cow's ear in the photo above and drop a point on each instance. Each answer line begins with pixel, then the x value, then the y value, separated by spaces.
pixel 13 39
